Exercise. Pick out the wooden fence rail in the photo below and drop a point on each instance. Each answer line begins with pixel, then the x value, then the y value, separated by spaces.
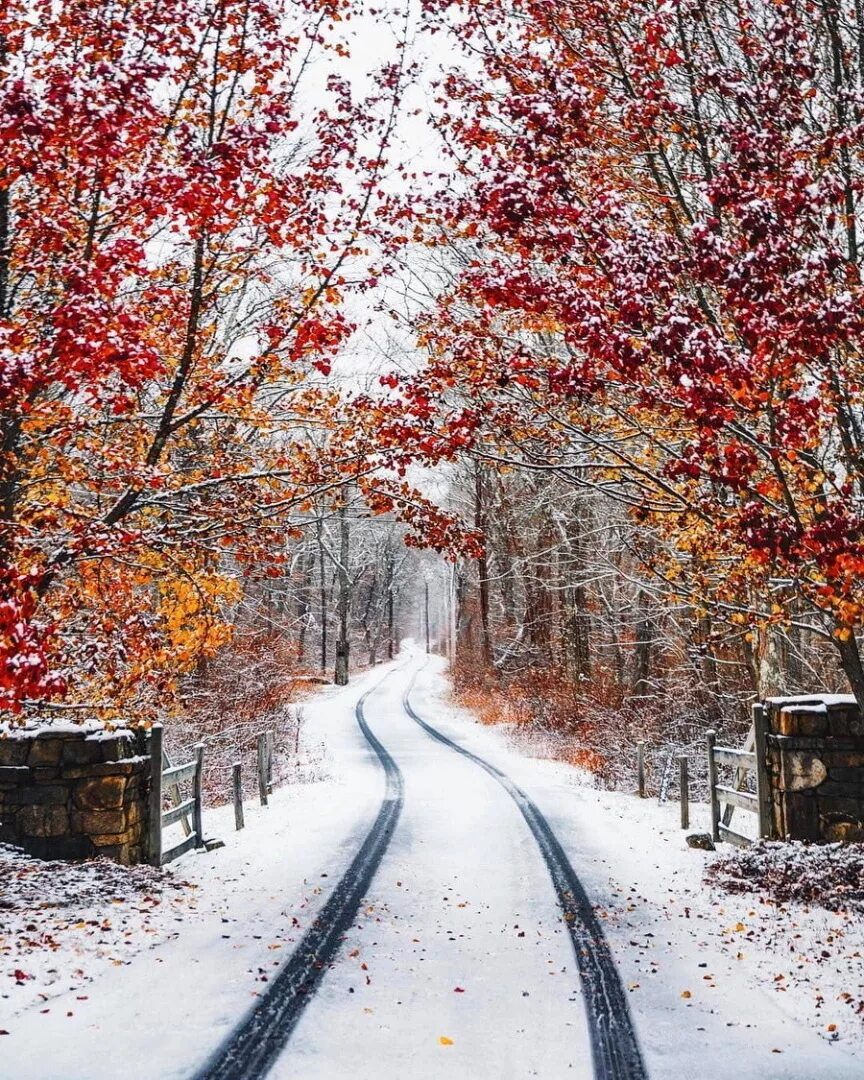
pixel 188 809
pixel 735 797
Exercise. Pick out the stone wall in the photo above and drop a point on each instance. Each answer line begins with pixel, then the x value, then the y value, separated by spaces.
pixel 815 759
pixel 73 793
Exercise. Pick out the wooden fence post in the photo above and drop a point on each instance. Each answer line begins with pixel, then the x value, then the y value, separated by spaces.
pixel 640 767
pixel 197 809
pixel 684 781
pixel 155 838
pixel 763 783
pixel 262 768
pixel 711 738
pixel 271 743
pixel 237 781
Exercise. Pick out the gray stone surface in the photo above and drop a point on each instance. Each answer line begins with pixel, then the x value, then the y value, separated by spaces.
pixel 74 795
pixel 816 769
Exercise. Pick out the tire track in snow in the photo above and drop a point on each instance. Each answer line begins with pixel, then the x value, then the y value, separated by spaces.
pixel 252 1048
pixel 614 1047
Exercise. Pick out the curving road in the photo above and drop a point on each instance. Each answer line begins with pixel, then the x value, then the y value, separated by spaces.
pixel 458 943
pixel 259 1040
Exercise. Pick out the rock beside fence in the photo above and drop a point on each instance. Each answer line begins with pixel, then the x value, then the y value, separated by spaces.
pixel 74 793
pixel 816 768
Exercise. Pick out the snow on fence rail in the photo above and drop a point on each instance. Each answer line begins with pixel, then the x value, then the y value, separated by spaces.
pixel 184 809
pixel 745 762
pixel 167 778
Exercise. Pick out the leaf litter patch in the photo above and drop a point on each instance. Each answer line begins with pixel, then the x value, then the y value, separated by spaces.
pixel 63 922
pixel 830 876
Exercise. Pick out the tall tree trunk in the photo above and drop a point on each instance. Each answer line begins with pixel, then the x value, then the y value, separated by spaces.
pixel 482 566
pixel 576 630
pixel 390 620
pixel 340 676
pixel 850 660
pixel 644 638
pixel 542 626
pixel 793 653
pixel 322 593
pixel 426 614
pixel 304 604
pixel 769 671
pixel 708 688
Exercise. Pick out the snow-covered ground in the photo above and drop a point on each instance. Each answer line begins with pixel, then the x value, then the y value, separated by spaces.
pixel 718 982
pixel 459 965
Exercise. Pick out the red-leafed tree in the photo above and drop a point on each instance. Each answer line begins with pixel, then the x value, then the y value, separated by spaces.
pixel 177 223
pixel 658 292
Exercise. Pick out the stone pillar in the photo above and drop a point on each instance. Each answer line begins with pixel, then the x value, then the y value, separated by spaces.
pixel 74 793
pixel 815 763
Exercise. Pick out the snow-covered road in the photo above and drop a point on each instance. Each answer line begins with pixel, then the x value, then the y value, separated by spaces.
pixel 458 964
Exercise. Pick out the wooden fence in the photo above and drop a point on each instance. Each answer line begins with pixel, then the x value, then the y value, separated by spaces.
pixel 744 763
pixel 188 810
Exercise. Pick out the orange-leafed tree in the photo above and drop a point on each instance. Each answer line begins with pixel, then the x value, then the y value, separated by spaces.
pixel 176 235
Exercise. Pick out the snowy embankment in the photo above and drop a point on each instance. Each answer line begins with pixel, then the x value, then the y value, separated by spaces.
pixel 716 982
pixel 175 936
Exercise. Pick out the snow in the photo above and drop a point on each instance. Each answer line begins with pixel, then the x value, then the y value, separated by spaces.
pixel 32 729
pixel 764 987
pixel 459 940
pixel 814 699
pixel 62 924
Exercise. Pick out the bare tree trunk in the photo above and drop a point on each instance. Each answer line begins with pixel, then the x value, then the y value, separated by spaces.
pixel 644 637
pixel 708 690
pixel 340 676
pixel 304 605
pixel 576 630
pixel 322 595
pixel 850 660
pixel 390 605
pixel 482 567
pixel 767 661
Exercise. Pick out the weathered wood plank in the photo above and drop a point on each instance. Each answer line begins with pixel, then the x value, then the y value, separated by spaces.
pixel 711 740
pixel 177 812
pixel 237 783
pixel 186 844
pixel 177 774
pixel 763 780
pixel 733 837
pixel 742 799
pixel 197 799
pixel 740 759
pixel 262 768
pixel 740 776
pixel 173 790
pixel 684 782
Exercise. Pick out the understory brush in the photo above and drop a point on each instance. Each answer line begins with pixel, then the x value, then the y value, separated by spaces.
pixel 255 684
pixel 590 724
